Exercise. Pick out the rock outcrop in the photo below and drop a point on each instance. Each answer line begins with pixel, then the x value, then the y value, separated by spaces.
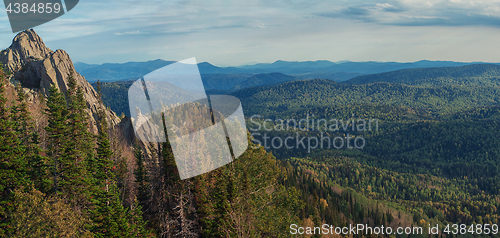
pixel 37 67
pixel 30 63
pixel 27 46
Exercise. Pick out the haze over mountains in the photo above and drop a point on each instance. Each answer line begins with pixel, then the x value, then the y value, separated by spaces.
pixel 437 88
pixel 337 71
pixel 471 75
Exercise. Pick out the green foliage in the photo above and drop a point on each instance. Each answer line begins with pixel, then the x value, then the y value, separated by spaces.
pixel 83 168
pixel 115 95
pixel 36 215
pixel 13 166
pixel 141 177
pixel 433 198
pixel 38 168
pixel 434 157
pixel 102 165
pixel 244 199
pixel 274 101
pixel 110 218
pixel 57 114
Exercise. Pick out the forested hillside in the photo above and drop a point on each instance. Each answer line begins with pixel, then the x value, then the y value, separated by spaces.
pixel 73 183
pixel 291 96
pixel 115 94
pixel 264 80
pixel 66 187
pixel 432 160
pixel 69 167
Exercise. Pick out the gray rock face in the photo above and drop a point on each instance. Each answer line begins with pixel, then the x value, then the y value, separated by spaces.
pixel 37 67
pixel 27 46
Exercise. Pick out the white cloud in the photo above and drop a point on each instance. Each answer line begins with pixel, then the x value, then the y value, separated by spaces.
pixel 421 13
pixel 237 31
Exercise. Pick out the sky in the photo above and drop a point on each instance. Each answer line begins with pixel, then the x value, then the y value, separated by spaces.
pixel 237 32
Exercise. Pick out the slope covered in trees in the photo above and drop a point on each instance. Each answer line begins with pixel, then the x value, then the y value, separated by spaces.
pixel 433 160
pixel 75 178
pixel 288 97
pixel 66 171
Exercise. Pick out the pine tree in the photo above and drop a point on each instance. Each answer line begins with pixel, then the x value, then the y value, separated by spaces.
pixel 142 201
pixel 78 147
pixel 102 165
pixel 21 116
pixel 70 144
pixel 170 167
pixel 137 224
pixel 109 217
pixel 13 172
pixel 57 113
pixel 180 213
pixel 38 169
pixel 141 177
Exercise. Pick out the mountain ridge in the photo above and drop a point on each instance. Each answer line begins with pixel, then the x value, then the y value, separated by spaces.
pixel 302 94
pixel 474 75
pixel 338 71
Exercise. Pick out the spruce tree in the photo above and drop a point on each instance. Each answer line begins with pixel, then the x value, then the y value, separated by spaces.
pixel 13 172
pixel 78 148
pixel 57 113
pixel 109 217
pixel 103 165
pixel 141 177
pixel 70 143
pixel 21 116
pixel 38 169
pixel 137 224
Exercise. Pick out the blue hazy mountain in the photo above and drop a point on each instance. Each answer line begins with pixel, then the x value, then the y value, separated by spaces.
pixel 370 67
pixel 470 75
pixel 115 71
pixel 337 71
pixel 265 80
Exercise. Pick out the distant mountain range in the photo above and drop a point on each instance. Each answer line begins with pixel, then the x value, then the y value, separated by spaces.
pixel 469 75
pixel 371 67
pixel 337 71
pixel 265 80
pixel 464 86
pixel 114 72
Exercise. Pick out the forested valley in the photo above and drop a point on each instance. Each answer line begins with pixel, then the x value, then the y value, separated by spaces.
pixel 70 167
pixel 433 159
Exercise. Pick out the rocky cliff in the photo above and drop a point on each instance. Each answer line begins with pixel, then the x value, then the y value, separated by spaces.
pixel 37 67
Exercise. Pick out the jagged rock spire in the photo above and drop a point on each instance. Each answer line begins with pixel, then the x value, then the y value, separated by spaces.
pixel 25 47
pixel 37 67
